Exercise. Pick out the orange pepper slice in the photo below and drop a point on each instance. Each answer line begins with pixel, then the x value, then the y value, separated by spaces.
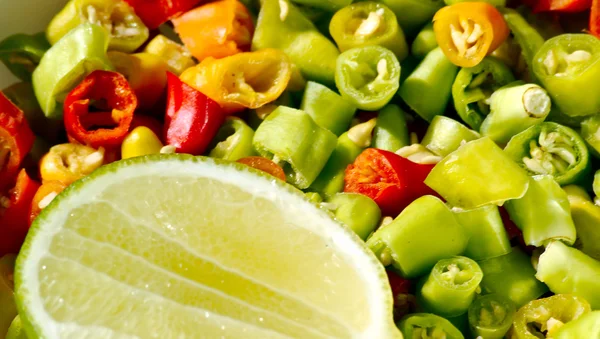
pixel 217 29
pixel 468 31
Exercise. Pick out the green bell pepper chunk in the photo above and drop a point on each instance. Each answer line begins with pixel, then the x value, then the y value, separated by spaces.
pixel 424 42
pixel 450 287
pixel 425 232
pixel 491 316
pixel 544 317
pixel 127 31
pixel 511 276
pixel 413 14
pixel 427 89
pixel 566 66
pixel 368 76
pixel 391 131
pixel 282 26
pixel 327 108
pixel 568 270
pixel 359 212
pixel 331 179
pixel 590 132
pixel 294 141
pixel 477 174
pixel 488 237
pixel 67 63
pixel 445 135
pixel 543 213
pixel 525 35
pixel 21 53
pixel 321 6
pixel 16 330
pixel 586 326
pixel 367 24
pixel 473 87
pixel 427 325
pixel 8 309
pixel 586 217
pixel 551 149
pixel 233 140
pixel 514 108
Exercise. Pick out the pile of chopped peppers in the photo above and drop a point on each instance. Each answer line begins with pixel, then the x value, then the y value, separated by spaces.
pixel 459 140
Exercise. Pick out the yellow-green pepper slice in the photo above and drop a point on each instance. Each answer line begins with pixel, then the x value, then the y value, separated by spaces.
pixel 491 316
pixel 586 217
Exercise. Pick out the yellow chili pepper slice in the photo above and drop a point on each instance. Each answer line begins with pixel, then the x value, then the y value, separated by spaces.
pixel 68 163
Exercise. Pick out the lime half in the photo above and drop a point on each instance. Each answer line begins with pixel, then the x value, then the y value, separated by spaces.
pixel 175 246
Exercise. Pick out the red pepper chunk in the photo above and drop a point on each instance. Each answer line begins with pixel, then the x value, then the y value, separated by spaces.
pixel 113 104
pixel 562 5
pixel 16 140
pixel 390 180
pixel 192 118
pixel 595 18
pixel 156 12
pixel 14 213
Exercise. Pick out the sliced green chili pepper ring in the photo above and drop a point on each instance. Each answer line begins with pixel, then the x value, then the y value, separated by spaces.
pixel 551 149
pixel 426 325
pixel 21 53
pixel 445 135
pixel 491 316
pixel 473 87
pixel 233 140
pixel 367 76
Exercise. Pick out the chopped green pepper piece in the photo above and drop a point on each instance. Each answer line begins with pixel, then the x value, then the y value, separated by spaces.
pixel 233 140
pixel 356 211
pixel 590 132
pixel 491 316
pixel 566 65
pixel 568 270
pixel 21 53
pixel 428 326
pixel 127 31
pixel 391 131
pixel 586 217
pixel 366 24
pixel 586 326
pixel 413 14
pixel 478 173
pixel 327 108
pixel 450 287
pixel 445 135
pixel 367 76
pixel 16 331
pixel 488 238
pixel 8 309
pixel 525 35
pixel 282 26
pixel 553 149
pixel 427 89
pixel 543 213
pixel 473 87
pixel 424 42
pixel 511 276
pixel 320 6
pixel 177 57
pixel 314 197
pixel 294 141
pixel 80 52
pixel 544 317
pixel 425 232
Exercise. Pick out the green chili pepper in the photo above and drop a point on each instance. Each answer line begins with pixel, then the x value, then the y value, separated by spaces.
pixel 586 217
pixel 511 276
pixel 424 42
pixel 327 108
pixel 357 211
pixel 366 24
pixel 568 270
pixel 450 287
pixel 488 238
pixel 445 135
pixel 543 213
pixel 553 149
pixel 367 76
pixel 590 131
pixel 8 309
pixel 513 109
pixel 586 326
pixel 596 184
pixel 127 31
pixel 473 87
pixel 391 131
pixel 413 14
pixel 21 53
pixel 478 173
pixel 321 6
pixel 525 35
pixel 314 197
pixel 281 25
pixel 427 89
pixel 331 179
pixel 425 232
pixel 491 316
pixel 77 54
pixel 16 331
pixel 233 140
pixel 542 318
pixel 294 141
pixel 426 325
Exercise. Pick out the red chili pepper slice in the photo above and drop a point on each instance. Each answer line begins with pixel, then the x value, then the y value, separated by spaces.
pixel 112 104
pixel 595 18
pixel 562 5
pixel 192 118
pixel 156 12
pixel 16 140
pixel 265 165
pixel 14 213
pixel 390 180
